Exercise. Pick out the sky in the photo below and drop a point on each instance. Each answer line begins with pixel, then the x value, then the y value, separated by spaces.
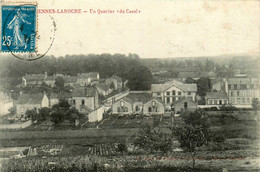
pixel 163 28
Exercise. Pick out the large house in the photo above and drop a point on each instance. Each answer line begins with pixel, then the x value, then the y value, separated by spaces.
pixel 85 99
pixel 216 98
pixel 242 90
pixel 31 101
pixel 169 93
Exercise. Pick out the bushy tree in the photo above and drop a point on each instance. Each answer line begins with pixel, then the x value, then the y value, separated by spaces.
pixel 59 111
pixel 192 131
pixel 151 139
pixel 204 85
pixel 32 114
pixel 44 113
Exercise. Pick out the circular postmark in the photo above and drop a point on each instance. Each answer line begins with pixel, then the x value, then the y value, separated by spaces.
pixel 21 36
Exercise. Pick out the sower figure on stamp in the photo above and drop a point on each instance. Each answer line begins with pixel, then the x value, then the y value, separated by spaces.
pixel 15 24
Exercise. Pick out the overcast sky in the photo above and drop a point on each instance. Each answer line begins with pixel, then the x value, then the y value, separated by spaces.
pixel 162 29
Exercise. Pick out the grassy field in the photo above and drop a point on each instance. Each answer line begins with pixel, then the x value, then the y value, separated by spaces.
pixel 241 147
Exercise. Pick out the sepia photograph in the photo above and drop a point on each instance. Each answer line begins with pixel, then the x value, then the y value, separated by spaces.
pixel 130 86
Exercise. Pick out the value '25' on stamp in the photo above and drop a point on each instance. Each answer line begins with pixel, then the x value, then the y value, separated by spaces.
pixel 18 28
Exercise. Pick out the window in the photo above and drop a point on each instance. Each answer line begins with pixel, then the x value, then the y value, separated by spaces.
pixel 229 86
pixel 238 93
pixel 232 87
pixel 158 94
pixel 225 102
pixel 82 102
pixel 150 109
pixel 243 101
pixel 126 109
pixel 220 102
pixel 156 109
pixel 232 94
pixel 210 102
pixel 136 108
pixel 238 101
pixel 168 93
pixel 248 100
pixel 179 93
pixel 118 109
pixel 74 101
pixel 185 105
pixel 235 86
pixel 189 93
pixel 173 92
pixel 168 99
pixel 215 102
pixel 173 99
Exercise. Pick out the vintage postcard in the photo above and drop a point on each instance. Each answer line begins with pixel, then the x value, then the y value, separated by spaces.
pixel 115 85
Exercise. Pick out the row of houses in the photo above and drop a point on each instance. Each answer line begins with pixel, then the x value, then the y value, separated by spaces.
pixel 105 85
pixel 84 99
pixel 176 96
pixel 142 102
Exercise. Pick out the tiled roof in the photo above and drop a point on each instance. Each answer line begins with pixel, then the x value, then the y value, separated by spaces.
pixel 103 86
pixel 159 87
pixel 188 87
pixel 127 100
pixel 242 80
pixel 60 95
pixel 117 78
pixel 30 98
pixel 163 87
pixel 84 92
pixel 157 99
pixel 69 79
pixel 139 96
pixel 216 95
pixel 88 75
pixel 35 77
pixel 50 78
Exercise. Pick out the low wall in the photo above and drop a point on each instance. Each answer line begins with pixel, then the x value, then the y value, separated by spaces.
pixel 96 115
pixel 16 126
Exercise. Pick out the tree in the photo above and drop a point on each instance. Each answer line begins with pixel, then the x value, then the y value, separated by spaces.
pixel 59 83
pixel 151 139
pixel 204 85
pixel 59 111
pixel 255 104
pixel 57 117
pixel 44 113
pixel 32 114
pixel 192 131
